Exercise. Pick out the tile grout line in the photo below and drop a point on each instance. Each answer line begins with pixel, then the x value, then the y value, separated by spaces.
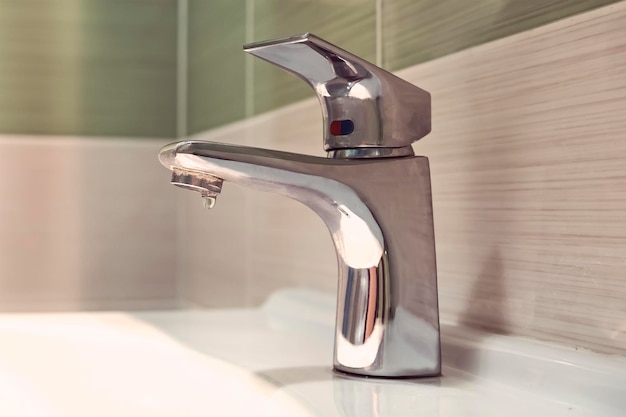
pixel 181 68
pixel 180 270
pixel 249 112
pixel 378 33
pixel 249 64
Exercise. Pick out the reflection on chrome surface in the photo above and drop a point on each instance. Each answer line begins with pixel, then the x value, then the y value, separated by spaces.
pixel 372 193
pixel 386 112
pixel 386 398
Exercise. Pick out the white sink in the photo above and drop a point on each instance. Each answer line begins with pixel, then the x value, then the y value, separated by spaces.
pixel 115 364
pixel 276 361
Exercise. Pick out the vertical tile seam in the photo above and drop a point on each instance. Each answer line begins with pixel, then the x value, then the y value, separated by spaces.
pixel 180 244
pixel 181 68
pixel 379 32
pixel 249 36
pixel 249 64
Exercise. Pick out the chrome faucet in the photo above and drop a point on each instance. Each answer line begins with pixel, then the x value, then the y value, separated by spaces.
pixel 372 193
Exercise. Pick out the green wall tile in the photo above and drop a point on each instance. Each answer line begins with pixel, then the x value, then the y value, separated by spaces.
pixel 415 31
pixel 216 63
pixel 90 67
pixel 348 24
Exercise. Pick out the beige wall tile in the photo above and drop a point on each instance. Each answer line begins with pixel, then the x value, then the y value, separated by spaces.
pixel 212 248
pixel 528 177
pixel 85 223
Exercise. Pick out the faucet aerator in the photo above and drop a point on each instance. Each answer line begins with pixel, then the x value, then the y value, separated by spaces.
pixel 207 185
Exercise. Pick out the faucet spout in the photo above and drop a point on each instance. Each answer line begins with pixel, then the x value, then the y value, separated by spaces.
pixel 379 215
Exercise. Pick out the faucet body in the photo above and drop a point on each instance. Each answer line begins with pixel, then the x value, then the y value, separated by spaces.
pixel 379 214
pixel 372 193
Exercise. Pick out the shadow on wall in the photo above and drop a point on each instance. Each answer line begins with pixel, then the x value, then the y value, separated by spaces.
pixel 487 306
pixel 486 205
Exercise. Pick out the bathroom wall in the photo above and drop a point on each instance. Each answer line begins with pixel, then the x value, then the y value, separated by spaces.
pixel 87 98
pixel 92 67
pixel 225 86
pixel 85 223
pixel 527 158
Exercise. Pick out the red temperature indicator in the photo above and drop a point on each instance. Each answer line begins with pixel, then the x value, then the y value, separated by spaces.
pixel 341 127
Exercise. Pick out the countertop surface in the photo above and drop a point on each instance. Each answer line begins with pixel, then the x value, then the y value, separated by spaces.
pixel 276 360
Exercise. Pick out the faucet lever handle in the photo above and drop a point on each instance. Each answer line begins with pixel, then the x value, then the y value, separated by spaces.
pixel 364 106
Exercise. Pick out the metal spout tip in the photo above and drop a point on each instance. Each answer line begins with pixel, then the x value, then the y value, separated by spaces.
pixel 207 185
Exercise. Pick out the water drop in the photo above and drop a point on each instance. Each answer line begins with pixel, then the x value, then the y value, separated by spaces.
pixel 209 202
